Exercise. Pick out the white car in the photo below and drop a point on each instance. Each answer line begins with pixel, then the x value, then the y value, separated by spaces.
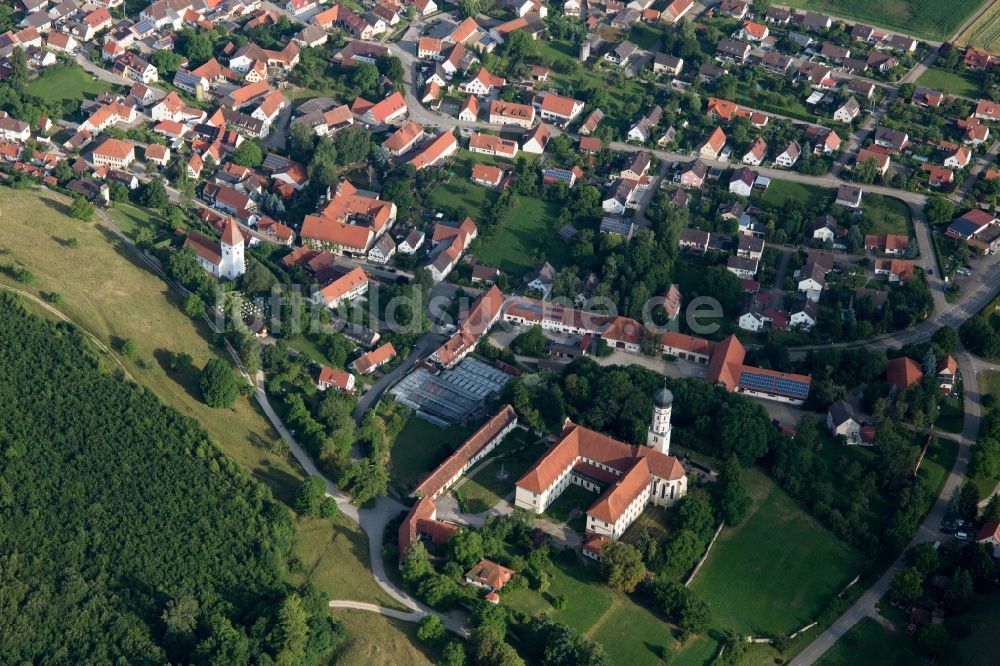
pixel 961 536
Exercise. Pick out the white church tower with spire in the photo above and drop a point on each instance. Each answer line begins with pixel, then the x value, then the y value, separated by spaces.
pixel 658 435
pixel 233 262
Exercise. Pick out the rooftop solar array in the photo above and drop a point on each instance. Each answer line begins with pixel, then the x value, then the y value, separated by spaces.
pixel 779 385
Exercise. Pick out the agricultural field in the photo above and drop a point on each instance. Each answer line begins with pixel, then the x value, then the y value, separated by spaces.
pixel 984 33
pixel 929 19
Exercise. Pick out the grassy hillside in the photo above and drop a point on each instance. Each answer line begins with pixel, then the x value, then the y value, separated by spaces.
pixel 105 290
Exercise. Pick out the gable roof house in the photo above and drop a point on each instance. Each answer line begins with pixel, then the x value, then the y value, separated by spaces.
pixel 756 152
pixel 789 156
pixel 713 145
pixel 903 372
pixel 641 131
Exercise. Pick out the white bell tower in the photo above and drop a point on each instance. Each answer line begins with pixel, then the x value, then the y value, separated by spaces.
pixel 658 435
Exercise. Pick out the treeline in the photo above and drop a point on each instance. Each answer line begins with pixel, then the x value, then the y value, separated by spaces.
pixel 125 536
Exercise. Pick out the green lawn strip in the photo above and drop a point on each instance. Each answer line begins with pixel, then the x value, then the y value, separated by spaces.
pixel 776 571
pixel 937 464
pixel 484 489
pixel 979 648
pixel 951 416
pixel 780 190
pixel 870 644
pixel 130 218
pixel 70 82
pixel 333 554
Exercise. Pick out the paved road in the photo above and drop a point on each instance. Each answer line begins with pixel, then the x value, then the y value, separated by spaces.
pixel 425 344
pixel 929 530
pixel 413 616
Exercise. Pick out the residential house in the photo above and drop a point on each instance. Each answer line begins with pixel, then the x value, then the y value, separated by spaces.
pixel 372 360
pixel 332 378
pixel 404 139
pixel 536 140
pixel 841 420
pixel 557 108
pixel 694 240
pixel 902 373
pixel 755 154
pixel 713 145
pixel 789 156
pixel 511 113
pixel 742 181
pixel 848 111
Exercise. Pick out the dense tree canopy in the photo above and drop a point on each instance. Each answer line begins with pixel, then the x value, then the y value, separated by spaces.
pixel 125 537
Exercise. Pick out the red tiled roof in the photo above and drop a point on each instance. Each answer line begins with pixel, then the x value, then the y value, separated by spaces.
pixel 903 372
pixel 488 572
pixel 446 471
pixel 577 441
pixel 374 358
pixel 726 362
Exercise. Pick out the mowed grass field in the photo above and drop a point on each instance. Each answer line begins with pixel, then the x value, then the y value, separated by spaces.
pixel 930 19
pixel 777 570
pixel 984 33
pixel 870 644
pixel 70 82
pixel 419 448
pixel 105 291
pixel 964 84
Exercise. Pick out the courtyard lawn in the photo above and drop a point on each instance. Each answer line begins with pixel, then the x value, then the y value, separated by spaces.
pixel 891 216
pixel 419 448
pixel 777 570
pixel 460 195
pixel 964 84
pixel 485 488
pixel 654 520
pixel 808 195
pixel 929 19
pixel 525 238
pixel 574 497
pixel 71 82
pixel 870 644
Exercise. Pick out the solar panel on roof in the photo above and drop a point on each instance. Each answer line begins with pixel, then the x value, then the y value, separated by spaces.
pixel 787 386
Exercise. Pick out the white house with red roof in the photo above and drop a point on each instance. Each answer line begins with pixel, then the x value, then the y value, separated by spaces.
pixel 483 83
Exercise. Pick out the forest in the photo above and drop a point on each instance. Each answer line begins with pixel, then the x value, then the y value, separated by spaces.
pixel 125 535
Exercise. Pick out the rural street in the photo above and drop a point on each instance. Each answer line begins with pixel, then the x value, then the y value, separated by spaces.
pixel 929 530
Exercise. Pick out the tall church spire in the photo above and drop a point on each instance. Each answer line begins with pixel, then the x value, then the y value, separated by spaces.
pixel 658 435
